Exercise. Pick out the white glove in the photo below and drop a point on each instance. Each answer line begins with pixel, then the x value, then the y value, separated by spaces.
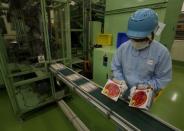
pixel 124 87
pixel 132 90
pixel 118 81
pixel 122 84
pixel 144 86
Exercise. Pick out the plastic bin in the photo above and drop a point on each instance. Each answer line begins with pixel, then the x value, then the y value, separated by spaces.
pixel 104 39
pixel 121 38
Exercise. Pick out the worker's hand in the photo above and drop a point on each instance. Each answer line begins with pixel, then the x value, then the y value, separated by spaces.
pixel 118 81
pixel 122 84
pixel 144 86
pixel 132 91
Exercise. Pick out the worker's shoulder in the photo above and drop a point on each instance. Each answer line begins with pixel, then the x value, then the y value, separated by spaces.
pixel 124 45
pixel 158 47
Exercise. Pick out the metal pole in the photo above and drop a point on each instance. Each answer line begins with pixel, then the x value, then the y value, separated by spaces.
pixel 68 32
pixel 6 77
pixel 46 41
pixel 77 123
pixel 86 19
pixel 45 29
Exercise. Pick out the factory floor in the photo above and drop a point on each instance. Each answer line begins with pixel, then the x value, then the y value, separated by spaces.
pixel 51 118
pixel 169 106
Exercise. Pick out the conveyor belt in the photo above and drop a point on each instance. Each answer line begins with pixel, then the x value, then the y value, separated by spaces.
pixel 127 117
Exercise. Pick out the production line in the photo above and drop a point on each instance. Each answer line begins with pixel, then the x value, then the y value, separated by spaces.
pixel 61 60
pixel 124 116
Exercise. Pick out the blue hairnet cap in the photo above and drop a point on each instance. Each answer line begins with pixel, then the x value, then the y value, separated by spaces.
pixel 142 23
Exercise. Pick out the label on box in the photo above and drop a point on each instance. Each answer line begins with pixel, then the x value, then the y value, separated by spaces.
pixel 141 98
pixel 41 58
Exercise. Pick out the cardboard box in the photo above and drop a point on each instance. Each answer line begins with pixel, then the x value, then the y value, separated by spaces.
pixel 141 98
pixel 113 90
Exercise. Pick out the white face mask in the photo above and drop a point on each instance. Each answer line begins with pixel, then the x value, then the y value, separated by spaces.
pixel 140 45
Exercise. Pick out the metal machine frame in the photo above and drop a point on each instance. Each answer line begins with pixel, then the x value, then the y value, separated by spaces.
pixel 10 71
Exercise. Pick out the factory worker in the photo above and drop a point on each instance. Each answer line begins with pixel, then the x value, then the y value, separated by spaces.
pixel 142 61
